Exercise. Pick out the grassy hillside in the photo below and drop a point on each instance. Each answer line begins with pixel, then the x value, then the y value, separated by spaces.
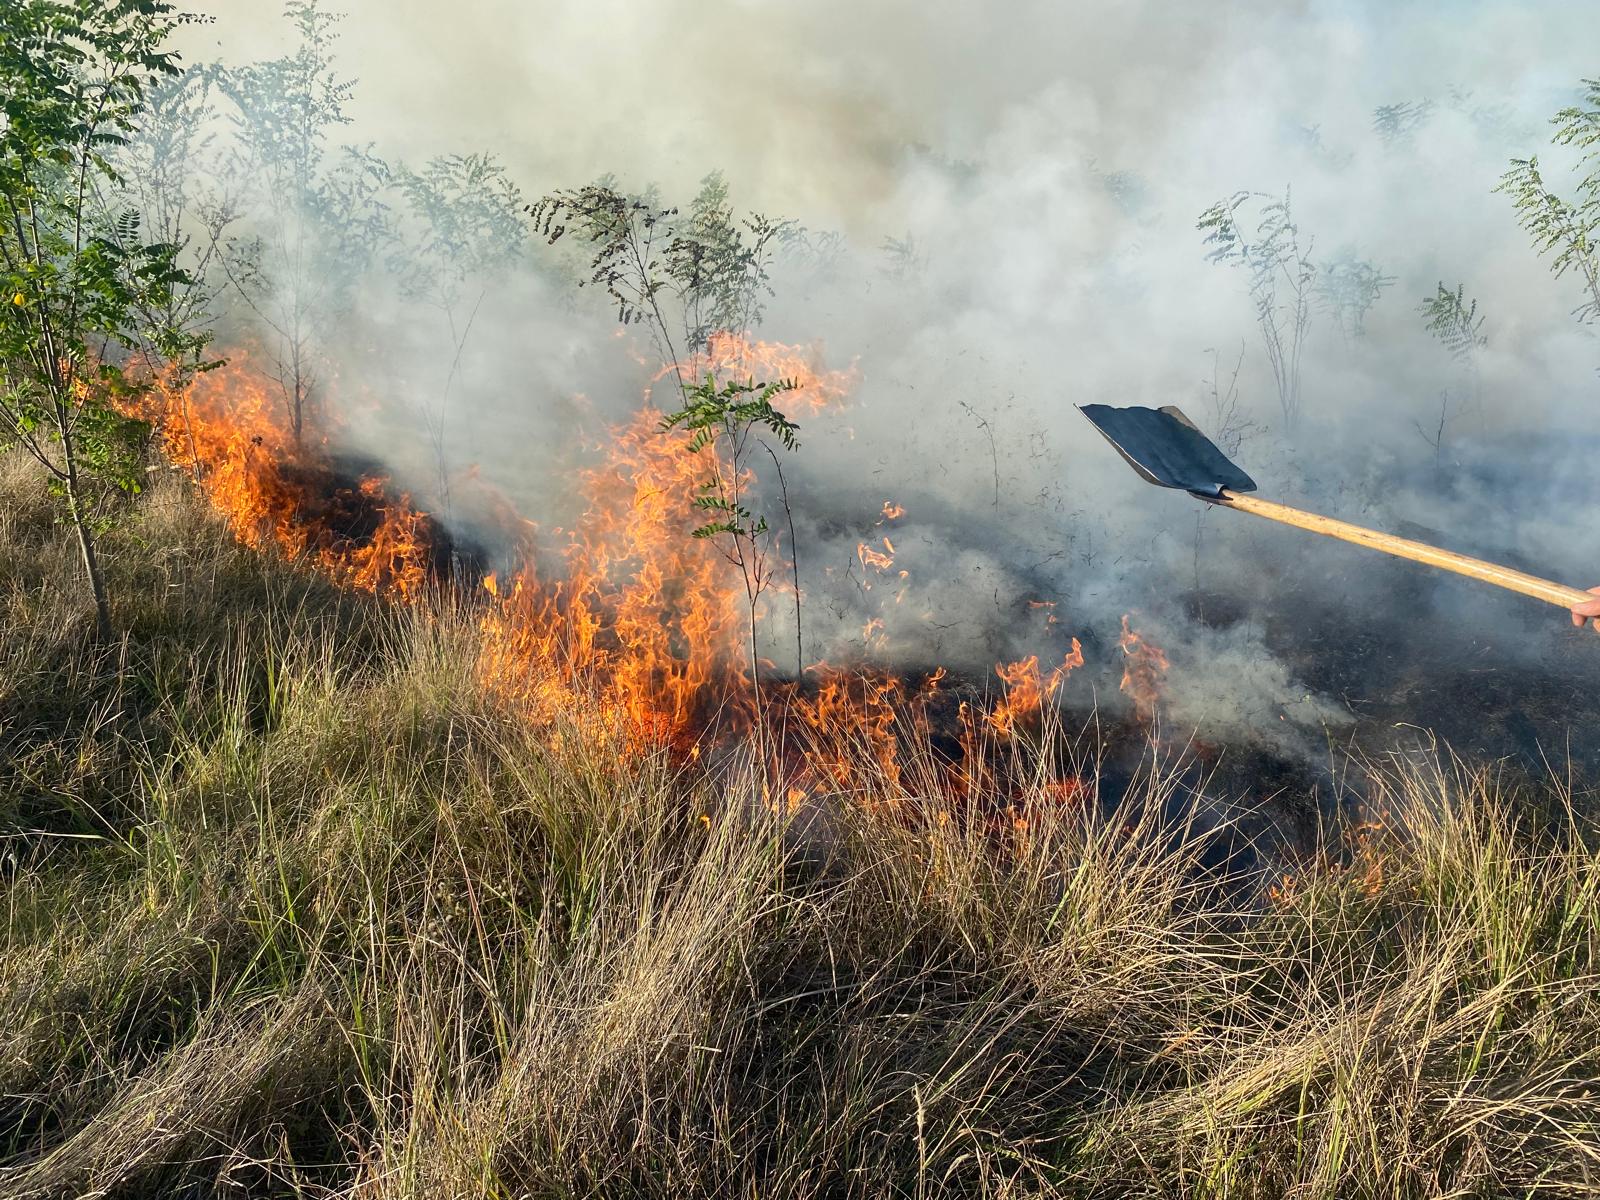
pixel 293 907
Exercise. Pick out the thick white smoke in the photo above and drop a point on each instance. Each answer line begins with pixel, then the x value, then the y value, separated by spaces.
pixel 1046 164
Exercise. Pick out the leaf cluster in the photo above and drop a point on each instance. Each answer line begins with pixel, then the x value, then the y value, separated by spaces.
pixel 622 232
pixel 1348 287
pixel 1567 230
pixel 902 257
pixel 322 213
pixel 77 281
pixel 730 412
pixel 319 209
pixel 1397 123
pixel 1273 247
pixel 285 109
pixel 165 175
pixel 719 267
pixel 74 76
pixel 468 214
pixel 709 269
pixel 1454 320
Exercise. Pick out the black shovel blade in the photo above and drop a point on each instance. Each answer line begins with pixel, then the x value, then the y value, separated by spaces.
pixel 1166 449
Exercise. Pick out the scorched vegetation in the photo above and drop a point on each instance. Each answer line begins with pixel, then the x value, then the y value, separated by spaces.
pixel 294 906
pixel 366 834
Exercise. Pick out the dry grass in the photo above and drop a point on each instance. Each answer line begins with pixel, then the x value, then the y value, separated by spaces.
pixel 293 908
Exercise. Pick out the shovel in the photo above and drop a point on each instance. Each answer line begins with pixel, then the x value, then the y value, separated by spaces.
pixel 1166 448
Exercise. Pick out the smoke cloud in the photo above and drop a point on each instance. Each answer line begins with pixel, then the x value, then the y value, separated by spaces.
pixel 1041 168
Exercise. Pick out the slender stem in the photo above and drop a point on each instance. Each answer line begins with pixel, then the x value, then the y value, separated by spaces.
pixel 80 521
pixel 794 561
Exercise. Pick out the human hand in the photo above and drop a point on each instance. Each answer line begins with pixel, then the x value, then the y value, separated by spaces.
pixel 1590 609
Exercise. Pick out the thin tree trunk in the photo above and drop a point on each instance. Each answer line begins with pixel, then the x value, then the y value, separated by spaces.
pixel 297 411
pixel 91 561
pixel 67 473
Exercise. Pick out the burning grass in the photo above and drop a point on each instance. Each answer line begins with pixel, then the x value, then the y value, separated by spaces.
pixel 630 605
pixel 295 906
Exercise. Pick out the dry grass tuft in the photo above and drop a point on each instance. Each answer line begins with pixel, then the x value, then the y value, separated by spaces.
pixel 294 908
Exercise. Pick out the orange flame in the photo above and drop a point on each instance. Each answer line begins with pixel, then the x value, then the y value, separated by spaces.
pixel 643 610
pixel 1026 689
pixel 624 624
pixel 231 431
pixel 735 356
pixel 882 560
pixel 1144 670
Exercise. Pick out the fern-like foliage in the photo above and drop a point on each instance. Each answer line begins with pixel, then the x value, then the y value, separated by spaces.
pixel 319 208
pixel 720 266
pixel 902 258
pixel 1396 124
pixel 1455 321
pixel 467 224
pixel 725 423
pixel 724 418
pixel 626 235
pixel 1347 288
pixel 1567 230
pixel 1282 278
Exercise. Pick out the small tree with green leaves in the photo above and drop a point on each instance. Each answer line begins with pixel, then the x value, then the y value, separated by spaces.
pixel 167 172
pixel 728 421
pixel 720 267
pixel 469 231
pixel 1397 124
pixel 627 236
pixel 77 284
pixel 683 275
pixel 1566 229
pixel 685 278
pixel 1282 279
pixel 1456 323
pixel 1347 288
pixel 317 211
pixel 902 258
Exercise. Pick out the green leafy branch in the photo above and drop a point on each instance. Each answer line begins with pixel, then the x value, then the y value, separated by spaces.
pixel 1568 230
pixel 626 235
pixel 724 418
pixel 1454 320
pixel 1282 279
pixel 1348 287
pixel 77 281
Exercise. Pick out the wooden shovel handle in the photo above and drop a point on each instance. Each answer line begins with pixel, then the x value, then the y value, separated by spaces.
pixel 1529 585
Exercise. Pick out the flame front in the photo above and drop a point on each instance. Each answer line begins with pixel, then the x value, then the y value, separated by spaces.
pixel 232 433
pixel 1027 689
pixel 625 623
pixel 644 614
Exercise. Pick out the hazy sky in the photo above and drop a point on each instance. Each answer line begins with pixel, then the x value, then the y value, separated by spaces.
pixel 809 104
